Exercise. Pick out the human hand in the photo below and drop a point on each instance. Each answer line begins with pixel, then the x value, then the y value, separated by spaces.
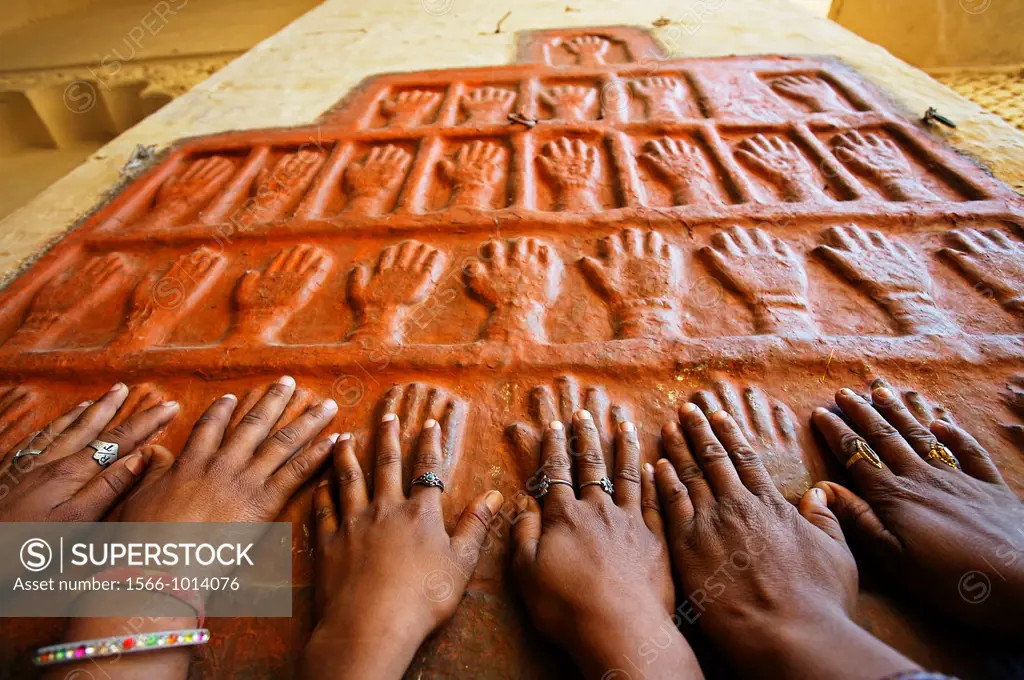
pixel 388 574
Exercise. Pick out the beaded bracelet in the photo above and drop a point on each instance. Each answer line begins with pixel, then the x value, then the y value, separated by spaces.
pixel 125 644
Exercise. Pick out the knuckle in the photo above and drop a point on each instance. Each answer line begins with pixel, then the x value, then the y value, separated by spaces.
pixel 117 483
pixel 350 476
pixel 629 473
pixel 847 439
pixel 287 437
pixel 301 467
pixel 713 453
pixel 558 461
pixel 325 513
pixel 278 390
pixel 676 494
pixel 746 456
pixel 689 471
pixel 121 432
pixel 255 417
pixel 389 455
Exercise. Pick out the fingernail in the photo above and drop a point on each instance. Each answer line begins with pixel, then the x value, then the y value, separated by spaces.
pixel 720 416
pixel 85 404
pixel 882 393
pixel 555 425
pixel 662 461
pixel 429 423
pixel 345 437
pixel 627 427
pixel 583 414
pixel 820 411
pixel 820 495
pixel 118 387
pixel 334 438
pixel 847 392
pixel 229 396
pixel 388 417
pixel 648 467
pixel 286 380
pixel 940 425
pixel 329 405
pixel 170 404
pixel 688 407
pixel 134 463
pixel 523 502
pixel 493 500
pixel 323 483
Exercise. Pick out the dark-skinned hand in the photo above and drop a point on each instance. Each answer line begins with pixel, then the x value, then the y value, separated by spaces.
pixel 770 584
pixel 952 536
pixel 388 574
pixel 594 570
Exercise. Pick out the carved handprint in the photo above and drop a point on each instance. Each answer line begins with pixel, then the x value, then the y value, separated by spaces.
pixel 769 426
pixel 545 407
pixel 891 273
pixel 371 181
pixel 414 404
pixel 487 105
pixel 517 280
pixel 683 166
pixel 267 300
pixel 409 108
pixel 1015 400
pixel 570 102
pixel 162 301
pixel 589 50
pixel 279 189
pixel 782 163
pixel 813 92
pixel 180 197
pixel 65 302
pixel 992 260
pixel 665 97
pixel 405 275
pixel 640 276
pixel 17 405
pixel 881 161
pixel 474 172
pixel 575 167
pixel 768 275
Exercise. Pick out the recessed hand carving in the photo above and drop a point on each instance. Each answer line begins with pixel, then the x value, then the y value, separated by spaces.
pixel 589 50
pixel 570 102
pixel 781 162
pixel 1015 400
pixel 17 406
pixel 882 162
pixel 180 197
pixel 162 301
pixel 575 168
pixel 409 108
pixel 684 168
pixel 405 275
pixel 414 403
pixel 891 273
pixel 67 301
pixel 769 277
pixel 641 278
pixel 267 300
pixel 814 92
pixel 993 261
pixel 487 105
pixel 279 189
pixel 371 182
pixel 769 426
pixel 544 407
pixel 517 280
pixel 141 397
pixel 664 97
pixel 474 172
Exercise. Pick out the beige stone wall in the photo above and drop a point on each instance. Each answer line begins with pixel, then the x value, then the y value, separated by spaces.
pixel 293 76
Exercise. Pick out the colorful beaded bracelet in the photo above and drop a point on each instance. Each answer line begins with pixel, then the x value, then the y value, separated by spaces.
pixel 126 644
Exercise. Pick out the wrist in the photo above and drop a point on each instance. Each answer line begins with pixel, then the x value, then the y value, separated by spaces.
pixel 915 312
pixel 648 318
pixel 376 323
pixel 378 646
pixel 783 314
pixel 517 320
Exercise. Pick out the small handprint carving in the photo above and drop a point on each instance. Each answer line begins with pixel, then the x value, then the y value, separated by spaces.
pixel 180 197
pixel 405 275
pixel 684 168
pixel 990 259
pixel 487 105
pixel 279 189
pixel 589 50
pixel 267 300
pixel 517 280
pixel 575 168
pixel 415 403
pixel 769 426
pixel 781 162
pixel 881 161
pixel 66 302
pixel 474 173
pixel 768 275
pixel 162 301
pixel 569 102
pixel 813 92
pixel 371 182
pixel 664 97
pixel 410 107
pixel 17 406
pixel 641 278
pixel 545 407
pixel 891 273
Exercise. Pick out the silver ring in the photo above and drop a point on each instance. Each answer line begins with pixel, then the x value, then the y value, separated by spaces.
pixel 429 479
pixel 106 452
pixel 26 452
pixel 546 483
pixel 605 484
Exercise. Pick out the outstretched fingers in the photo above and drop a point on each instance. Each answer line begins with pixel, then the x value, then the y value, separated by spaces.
pixel 974 459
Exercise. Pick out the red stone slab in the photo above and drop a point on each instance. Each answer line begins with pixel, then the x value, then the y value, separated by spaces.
pixel 494 247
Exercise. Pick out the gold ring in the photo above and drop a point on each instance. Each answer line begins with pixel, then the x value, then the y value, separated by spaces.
pixel 938 451
pixel 858 449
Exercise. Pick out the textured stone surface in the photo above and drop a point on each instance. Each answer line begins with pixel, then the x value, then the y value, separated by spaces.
pixel 749 233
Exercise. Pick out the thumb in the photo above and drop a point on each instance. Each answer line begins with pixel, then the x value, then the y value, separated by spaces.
pixel 814 508
pixel 160 460
pixel 860 522
pixel 357 281
pixel 594 273
pixel 471 531
pixel 526 529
